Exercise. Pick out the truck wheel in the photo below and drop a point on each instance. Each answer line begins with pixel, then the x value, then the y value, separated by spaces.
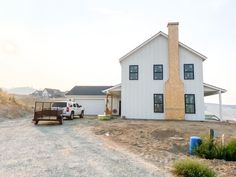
pixel 72 116
pixel 82 114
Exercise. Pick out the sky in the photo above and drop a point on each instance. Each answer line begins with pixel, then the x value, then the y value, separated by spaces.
pixel 63 43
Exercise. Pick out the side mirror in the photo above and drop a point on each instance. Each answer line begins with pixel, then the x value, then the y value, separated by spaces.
pixel 79 106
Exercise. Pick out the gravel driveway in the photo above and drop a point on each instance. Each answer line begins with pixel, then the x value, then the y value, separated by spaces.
pixel 63 150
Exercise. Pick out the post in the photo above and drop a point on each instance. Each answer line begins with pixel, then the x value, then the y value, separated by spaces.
pixel 220 105
pixel 212 134
pixel 107 109
pixel 109 106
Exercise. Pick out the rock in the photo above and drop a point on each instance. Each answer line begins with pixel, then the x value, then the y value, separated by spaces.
pixel 177 138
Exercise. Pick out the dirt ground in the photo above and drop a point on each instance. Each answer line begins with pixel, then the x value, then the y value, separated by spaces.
pixel 68 150
pixel 163 142
pixel 107 148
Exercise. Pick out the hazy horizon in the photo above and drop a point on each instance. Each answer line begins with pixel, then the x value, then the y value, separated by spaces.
pixel 60 44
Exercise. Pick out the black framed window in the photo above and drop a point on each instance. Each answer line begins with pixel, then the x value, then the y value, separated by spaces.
pixel 188 71
pixel 133 72
pixel 158 72
pixel 158 103
pixel 190 104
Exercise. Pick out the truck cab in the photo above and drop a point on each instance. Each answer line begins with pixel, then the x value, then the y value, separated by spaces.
pixel 69 109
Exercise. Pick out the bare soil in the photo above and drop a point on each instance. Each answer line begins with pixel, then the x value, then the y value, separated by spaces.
pixel 68 150
pixel 163 142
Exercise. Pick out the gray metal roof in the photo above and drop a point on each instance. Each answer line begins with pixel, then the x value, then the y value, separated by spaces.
pixel 88 90
pixel 52 91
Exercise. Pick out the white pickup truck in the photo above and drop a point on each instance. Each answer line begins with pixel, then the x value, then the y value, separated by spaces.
pixel 69 109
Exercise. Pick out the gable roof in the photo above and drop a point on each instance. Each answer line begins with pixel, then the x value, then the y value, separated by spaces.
pixel 88 90
pixel 37 92
pixel 203 57
pixel 52 91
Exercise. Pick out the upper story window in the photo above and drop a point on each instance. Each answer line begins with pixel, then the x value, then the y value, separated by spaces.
pixel 158 103
pixel 190 104
pixel 158 72
pixel 188 71
pixel 133 72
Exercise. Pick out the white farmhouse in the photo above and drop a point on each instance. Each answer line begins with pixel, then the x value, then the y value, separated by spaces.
pixel 163 79
pixel 160 79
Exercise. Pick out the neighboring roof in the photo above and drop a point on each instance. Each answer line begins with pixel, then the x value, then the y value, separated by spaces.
pixel 166 36
pixel 52 91
pixel 37 92
pixel 88 90
pixel 212 90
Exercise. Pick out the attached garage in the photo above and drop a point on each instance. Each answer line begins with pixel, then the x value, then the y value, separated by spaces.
pixel 91 98
pixel 92 106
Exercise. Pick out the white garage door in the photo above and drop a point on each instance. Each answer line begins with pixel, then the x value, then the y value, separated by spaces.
pixel 92 107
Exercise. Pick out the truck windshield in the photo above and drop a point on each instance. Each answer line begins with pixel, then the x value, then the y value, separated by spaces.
pixel 59 104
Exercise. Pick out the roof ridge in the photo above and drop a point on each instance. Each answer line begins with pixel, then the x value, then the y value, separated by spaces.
pixel 164 35
pixel 87 90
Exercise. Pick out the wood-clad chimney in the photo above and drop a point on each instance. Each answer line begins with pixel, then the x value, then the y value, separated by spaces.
pixel 174 87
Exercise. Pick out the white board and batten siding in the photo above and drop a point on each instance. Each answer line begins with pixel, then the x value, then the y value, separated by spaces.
pixel 137 95
pixel 193 86
pixel 93 104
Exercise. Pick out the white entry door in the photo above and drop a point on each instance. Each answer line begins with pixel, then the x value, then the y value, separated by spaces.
pixel 92 107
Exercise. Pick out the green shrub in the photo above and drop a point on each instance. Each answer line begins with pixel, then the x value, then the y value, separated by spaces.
pixel 208 149
pixel 231 151
pixel 192 168
pixel 211 149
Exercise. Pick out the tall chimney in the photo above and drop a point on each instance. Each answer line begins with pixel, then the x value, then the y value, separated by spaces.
pixel 174 87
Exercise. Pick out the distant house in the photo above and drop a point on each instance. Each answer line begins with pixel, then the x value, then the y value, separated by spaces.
pixel 92 98
pixel 52 93
pixel 37 93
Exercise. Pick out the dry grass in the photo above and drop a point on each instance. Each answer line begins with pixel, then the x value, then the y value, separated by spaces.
pixel 12 107
pixel 5 98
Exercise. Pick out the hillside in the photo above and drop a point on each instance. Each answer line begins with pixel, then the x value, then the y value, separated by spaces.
pixel 10 107
pixel 228 111
pixel 21 90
